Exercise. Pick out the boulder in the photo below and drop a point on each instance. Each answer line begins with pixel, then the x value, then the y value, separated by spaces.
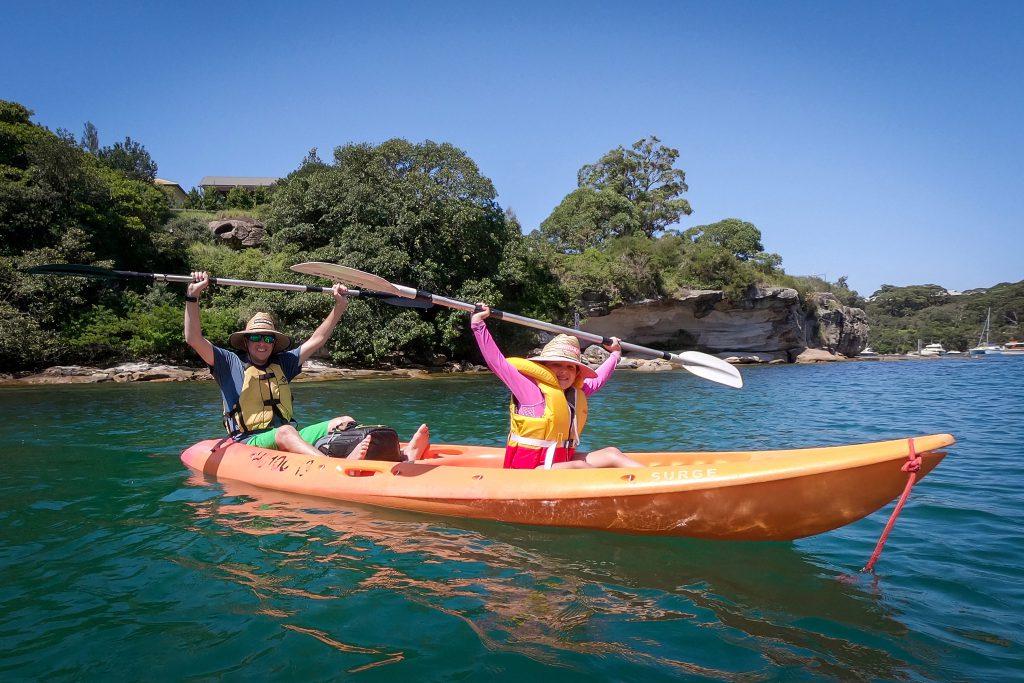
pixel 239 233
pixel 816 356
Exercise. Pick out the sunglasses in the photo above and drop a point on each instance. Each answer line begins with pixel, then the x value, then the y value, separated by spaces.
pixel 265 338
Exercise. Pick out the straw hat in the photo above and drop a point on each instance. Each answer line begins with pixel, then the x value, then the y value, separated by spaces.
pixel 261 323
pixel 564 349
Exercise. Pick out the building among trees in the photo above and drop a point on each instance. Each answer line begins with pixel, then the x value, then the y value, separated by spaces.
pixel 176 196
pixel 223 184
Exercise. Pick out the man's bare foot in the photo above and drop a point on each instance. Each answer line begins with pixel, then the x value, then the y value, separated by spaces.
pixel 418 445
pixel 359 452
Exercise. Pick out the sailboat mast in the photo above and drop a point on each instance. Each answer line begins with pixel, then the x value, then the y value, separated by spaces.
pixel 983 339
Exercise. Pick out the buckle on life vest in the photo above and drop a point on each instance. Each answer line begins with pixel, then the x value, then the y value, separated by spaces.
pixel 549 446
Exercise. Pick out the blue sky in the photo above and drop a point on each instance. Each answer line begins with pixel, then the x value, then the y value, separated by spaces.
pixel 883 141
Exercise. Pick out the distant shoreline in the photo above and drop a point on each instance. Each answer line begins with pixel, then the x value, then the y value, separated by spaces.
pixel 316 371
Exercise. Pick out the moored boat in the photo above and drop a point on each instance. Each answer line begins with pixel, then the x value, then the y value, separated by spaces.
pixel 987 350
pixel 933 350
pixel 729 495
pixel 985 347
pixel 1013 348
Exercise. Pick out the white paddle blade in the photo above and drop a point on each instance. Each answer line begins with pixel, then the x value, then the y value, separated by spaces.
pixel 709 367
pixel 349 276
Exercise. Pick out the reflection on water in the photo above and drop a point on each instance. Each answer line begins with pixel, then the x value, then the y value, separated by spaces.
pixel 543 594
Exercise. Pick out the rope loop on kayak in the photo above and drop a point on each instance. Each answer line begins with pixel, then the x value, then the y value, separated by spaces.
pixel 912 466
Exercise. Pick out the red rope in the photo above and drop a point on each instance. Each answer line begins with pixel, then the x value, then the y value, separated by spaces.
pixel 911 467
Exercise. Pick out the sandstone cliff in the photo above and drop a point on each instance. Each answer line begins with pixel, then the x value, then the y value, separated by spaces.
pixel 769 324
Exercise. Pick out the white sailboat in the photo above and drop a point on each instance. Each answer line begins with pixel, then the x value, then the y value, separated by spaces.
pixel 985 347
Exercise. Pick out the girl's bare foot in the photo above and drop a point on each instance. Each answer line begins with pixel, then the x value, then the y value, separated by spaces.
pixel 418 444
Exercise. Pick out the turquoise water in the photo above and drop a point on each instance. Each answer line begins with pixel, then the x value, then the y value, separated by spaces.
pixel 120 564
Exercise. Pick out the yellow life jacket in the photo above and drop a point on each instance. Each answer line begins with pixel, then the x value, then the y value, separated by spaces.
pixel 264 402
pixel 560 426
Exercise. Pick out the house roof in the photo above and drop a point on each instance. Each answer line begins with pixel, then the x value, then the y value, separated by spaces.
pixel 236 181
pixel 171 183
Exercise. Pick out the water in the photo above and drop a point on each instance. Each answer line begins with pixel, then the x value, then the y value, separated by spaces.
pixel 120 564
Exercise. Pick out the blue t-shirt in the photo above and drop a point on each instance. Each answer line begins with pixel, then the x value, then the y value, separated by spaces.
pixel 229 370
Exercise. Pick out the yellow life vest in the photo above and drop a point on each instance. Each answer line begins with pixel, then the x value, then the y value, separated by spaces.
pixel 265 401
pixel 556 428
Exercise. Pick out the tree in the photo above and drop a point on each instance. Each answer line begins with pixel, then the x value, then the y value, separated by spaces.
pixel 588 218
pixel 239 198
pixel 60 204
pixel 212 199
pixel 312 158
pixel 709 266
pixel 194 199
pixel 904 301
pixel 740 238
pixel 645 176
pixel 90 141
pixel 418 214
pixel 130 158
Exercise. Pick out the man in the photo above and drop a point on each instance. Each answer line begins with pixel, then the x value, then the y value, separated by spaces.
pixel 254 384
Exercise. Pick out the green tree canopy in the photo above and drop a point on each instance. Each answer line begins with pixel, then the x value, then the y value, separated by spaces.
pixel 902 316
pixel 587 218
pixel 60 204
pixel 644 175
pixel 130 158
pixel 417 214
pixel 740 238
pixel 902 301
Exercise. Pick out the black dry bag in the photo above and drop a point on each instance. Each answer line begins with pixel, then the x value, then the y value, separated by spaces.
pixel 341 441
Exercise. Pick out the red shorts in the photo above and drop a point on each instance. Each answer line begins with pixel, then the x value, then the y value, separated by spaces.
pixel 520 457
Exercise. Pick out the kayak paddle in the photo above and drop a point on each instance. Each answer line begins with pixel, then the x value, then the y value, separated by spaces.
pixel 79 270
pixel 701 364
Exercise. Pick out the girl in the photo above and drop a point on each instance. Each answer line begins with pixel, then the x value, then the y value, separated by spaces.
pixel 549 401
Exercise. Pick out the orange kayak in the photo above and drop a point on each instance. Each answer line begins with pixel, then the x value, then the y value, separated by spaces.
pixel 736 495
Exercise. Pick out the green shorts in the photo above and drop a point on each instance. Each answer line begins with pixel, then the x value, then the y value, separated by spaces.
pixel 310 435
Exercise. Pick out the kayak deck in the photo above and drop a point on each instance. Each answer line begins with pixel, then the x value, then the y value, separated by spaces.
pixel 737 495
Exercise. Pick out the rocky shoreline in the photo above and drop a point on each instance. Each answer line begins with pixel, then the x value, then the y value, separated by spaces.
pixel 318 371
pixel 312 371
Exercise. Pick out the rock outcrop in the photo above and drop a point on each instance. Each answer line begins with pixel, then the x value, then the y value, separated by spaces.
pixel 769 324
pixel 840 329
pixel 239 233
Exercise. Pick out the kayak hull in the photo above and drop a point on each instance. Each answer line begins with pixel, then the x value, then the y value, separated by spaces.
pixel 740 495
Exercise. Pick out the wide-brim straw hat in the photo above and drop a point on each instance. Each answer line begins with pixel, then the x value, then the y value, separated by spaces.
pixel 261 323
pixel 564 349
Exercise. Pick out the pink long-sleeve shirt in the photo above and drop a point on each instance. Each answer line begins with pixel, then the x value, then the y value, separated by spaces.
pixel 528 395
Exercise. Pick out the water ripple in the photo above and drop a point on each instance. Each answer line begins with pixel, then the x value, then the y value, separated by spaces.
pixel 114 556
